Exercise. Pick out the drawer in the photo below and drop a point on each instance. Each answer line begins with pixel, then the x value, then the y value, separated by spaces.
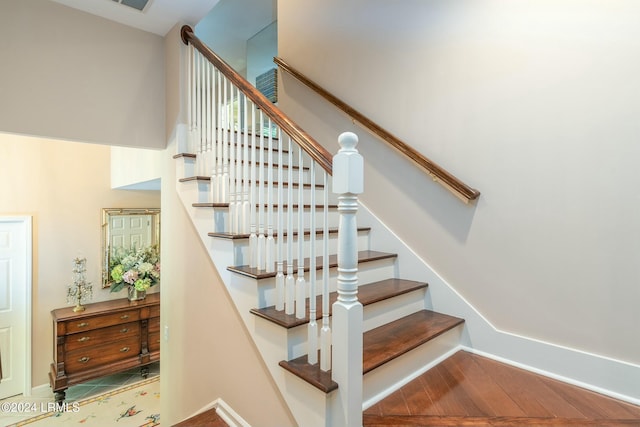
pixel 88 323
pixel 154 324
pixel 92 357
pixel 154 311
pixel 106 335
pixel 154 341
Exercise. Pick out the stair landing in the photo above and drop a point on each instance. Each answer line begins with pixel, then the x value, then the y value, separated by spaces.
pixel 470 390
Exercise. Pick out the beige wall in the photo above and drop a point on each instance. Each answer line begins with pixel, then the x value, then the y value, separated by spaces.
pixel 63 186
pixel 532 102
pixel 71 75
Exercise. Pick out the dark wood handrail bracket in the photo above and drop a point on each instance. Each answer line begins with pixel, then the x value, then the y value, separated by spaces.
pixel 308 144
pixel 453 184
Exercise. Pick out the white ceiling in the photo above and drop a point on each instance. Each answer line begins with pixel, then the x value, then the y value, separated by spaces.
pixel 226 30
pixel 159 15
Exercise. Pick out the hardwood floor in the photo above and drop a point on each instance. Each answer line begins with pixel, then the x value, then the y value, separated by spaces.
pixel 470 390
pixel 206 419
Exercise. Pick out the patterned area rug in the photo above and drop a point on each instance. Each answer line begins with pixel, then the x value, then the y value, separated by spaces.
pixel 136 405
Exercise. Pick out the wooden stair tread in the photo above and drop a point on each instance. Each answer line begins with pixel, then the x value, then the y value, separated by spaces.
pixel 363 256
pixel 396 338
pixel 284 184
pixel 187 155
pixel 367 294
pixel 275 205
pixel 195 178
pixel 307 232
pixel 381 345
pixel 293 167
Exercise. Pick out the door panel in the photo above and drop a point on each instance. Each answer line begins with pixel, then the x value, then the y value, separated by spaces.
pixel 15 256
pixel 130 231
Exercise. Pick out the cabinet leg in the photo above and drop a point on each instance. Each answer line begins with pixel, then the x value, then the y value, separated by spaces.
pixel 144 372
pixel 60 395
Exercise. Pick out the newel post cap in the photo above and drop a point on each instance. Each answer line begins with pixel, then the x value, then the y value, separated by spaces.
pixel 348 166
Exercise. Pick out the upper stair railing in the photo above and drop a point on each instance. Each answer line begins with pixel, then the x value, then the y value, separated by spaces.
pixel 274 179
pixel 453 184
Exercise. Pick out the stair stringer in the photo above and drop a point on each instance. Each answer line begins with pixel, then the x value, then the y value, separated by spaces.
pixel 309 406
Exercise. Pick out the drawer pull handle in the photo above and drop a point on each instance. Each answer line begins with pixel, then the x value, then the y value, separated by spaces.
pixel 124 349
pixel 84 359
pixel 124 330
pixel 83 324
pixel 84 339
pixel 124 316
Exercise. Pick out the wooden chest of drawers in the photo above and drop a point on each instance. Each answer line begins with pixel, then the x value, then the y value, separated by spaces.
pixel 106 338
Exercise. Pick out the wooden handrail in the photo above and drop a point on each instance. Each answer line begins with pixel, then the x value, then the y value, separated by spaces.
pixel 453 184
pixel 308 144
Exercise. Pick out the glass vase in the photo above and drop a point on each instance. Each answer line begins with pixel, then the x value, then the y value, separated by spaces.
pixel 134 294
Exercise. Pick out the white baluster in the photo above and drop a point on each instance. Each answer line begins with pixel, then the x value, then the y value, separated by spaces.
pixel 209 112
pixel 238 167
pixel 270 242
pixel 246 206
pixel 300 283
pixel 204 127
pixel 325 332
pixel 280 288
pixel 203 119
pixel 224 187
pixel 290 281
pixel 348 182
pixel 192 101
pixel 262 247
pixel 232 214
pixel 216 183
pixel 253 237
pixel 312 332
pixel 198 70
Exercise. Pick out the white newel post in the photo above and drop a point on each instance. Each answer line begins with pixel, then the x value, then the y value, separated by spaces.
pixel 348 182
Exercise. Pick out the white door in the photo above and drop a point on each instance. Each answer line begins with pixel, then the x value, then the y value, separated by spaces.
pixel 130 231
pixel 15 283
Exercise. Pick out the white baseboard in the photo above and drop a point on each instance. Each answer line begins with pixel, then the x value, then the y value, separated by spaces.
pixel 590 362
pixel 230 416
pixel 42 391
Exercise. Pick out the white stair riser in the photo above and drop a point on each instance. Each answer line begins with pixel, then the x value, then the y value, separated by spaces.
pixel 395 308
pixel 222 219
pixel 204 187
pixel 374 315
pixel 189 168
pixel 242 256
pixel 209 157
pixel 185 167
pixel 367 272
pixel 196 191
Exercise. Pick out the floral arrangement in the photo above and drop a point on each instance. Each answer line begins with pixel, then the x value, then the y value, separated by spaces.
pixel 139 268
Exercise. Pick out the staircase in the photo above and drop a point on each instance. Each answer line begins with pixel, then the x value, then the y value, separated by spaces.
pixel 402 336
pixel 253 195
